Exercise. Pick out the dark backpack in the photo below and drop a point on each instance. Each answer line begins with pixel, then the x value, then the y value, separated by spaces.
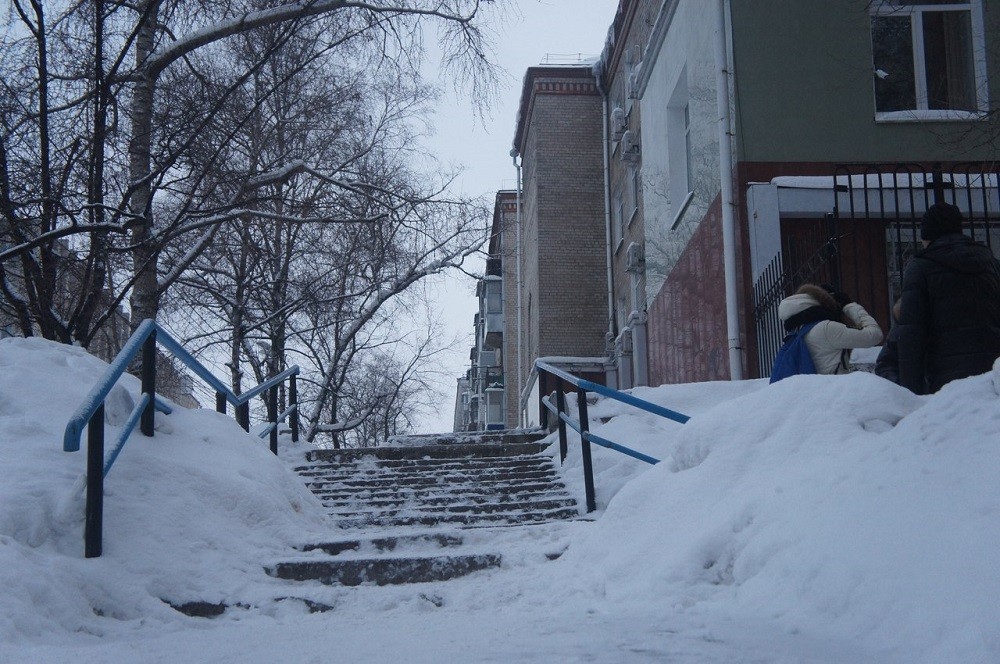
pixel 793 357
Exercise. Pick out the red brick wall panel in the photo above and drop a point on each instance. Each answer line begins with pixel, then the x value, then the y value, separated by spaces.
pixel 687 318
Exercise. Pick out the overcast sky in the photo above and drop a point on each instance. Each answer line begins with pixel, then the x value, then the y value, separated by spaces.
pixel 533 30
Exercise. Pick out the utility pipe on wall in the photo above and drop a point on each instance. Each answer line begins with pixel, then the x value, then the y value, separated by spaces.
pixel 606 98
pixel 517 241
pixel 728 209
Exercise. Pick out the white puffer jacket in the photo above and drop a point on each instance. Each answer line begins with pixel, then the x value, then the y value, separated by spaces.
pixel 828 339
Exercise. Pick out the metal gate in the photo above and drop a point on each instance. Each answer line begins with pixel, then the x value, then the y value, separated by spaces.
pixel 869 236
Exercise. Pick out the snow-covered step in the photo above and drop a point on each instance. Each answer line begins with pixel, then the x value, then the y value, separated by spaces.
pixel 335 492
pixel 476 451
pixel 405 505
pixel 384 570
pixel 361 520
pixel 391 543
pixel 349 469
pixel 430 482
pixel 461 508
pixel 465 500
pixel 373 464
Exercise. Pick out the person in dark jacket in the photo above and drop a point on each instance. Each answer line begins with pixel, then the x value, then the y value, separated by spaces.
pixel 949 325
pixel 887 362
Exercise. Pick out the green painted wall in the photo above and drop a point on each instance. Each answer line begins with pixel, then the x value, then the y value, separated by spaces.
pixel 804 88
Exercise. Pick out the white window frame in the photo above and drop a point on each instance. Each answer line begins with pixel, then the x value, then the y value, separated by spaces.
pixel 494 407
pixel 617 221
pixel 922 112
pixel 618 98
pixel 493 296
pixel 634 189
pixel 680 162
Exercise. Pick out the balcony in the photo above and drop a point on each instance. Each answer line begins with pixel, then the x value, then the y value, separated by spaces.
pixel 491 305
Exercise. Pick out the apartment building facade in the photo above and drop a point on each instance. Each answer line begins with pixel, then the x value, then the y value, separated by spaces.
pixel 729 173
pixel 888 96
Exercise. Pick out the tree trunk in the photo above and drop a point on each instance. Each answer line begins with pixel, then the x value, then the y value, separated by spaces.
pixel 145 290
pixel 97 268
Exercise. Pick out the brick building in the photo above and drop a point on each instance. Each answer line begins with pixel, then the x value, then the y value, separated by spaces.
pixel 563 266
pixel 674 190
pixel 548 242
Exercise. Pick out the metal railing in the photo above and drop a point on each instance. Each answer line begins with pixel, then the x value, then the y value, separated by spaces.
pixel 582 424
pixel 90 414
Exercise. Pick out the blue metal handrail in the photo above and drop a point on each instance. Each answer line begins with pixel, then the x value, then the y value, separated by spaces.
pixel 90 414
pixel 617 395
pixel 582 425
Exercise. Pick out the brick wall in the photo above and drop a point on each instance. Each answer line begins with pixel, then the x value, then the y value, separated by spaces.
pixel 564 300
pixel 506 212
pixel 687 318
pixel 571 239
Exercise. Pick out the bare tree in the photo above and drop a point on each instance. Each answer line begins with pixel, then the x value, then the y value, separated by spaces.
pixel 282 278
pixel 94 164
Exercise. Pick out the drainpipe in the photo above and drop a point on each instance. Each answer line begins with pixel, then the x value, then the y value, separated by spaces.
pixel 517 242
pixel 612 380
pixel 728 208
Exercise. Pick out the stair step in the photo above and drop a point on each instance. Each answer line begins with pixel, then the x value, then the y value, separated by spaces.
pixel 347 470
pixel 506 436
pixel 384 571
pixel 464 519
pixel 462 508
pixel 477 451
pixel 381 544
pixel 388 491
pixel 429 482
pixel 368 463
pixel 471 500
pixel 447 474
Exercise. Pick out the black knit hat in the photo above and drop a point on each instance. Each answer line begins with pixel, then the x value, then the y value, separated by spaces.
pixel 940 219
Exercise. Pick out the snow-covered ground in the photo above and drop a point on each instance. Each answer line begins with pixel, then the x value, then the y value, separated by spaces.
pixel 822 519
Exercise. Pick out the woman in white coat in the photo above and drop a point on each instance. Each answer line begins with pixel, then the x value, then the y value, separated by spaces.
pixel 840 326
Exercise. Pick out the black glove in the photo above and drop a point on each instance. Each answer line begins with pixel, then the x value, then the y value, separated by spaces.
pixel 839 296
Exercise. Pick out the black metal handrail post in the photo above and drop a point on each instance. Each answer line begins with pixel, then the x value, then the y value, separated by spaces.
pixel 543 412
pixel 243 415
pixel 220 402
pixel 293 402
pixel 272 416
pixel 588 466
pixel 561 408
pixel 148 378
pixel 94 520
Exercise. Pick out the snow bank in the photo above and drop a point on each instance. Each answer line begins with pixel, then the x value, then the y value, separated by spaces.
pixel 839 504
pixel 189 514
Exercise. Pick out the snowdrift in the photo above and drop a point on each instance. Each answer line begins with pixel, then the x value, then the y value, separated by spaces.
pixel 188 513
pixel 839 504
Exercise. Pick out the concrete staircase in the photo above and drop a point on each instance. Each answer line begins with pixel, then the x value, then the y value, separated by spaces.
pixel 426 512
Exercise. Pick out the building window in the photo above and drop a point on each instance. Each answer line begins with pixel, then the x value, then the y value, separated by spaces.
pixel 617 219
pixel 689 177
pixel 680 164
pixel 928 59
pixel 634 183
pixel 494 408
pixel 494 296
